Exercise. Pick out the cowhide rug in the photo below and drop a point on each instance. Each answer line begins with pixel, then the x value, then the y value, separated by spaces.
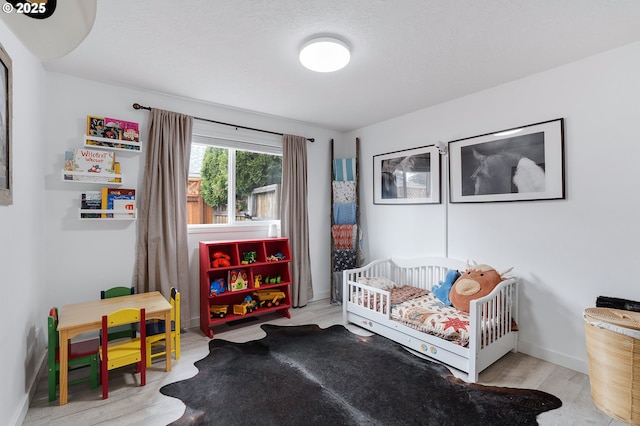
pixel 305 375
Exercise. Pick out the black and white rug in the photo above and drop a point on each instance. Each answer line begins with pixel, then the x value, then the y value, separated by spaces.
pixel 305 375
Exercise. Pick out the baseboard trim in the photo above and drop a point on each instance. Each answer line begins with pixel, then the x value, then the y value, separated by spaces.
pixel 21 413
pixel 562 360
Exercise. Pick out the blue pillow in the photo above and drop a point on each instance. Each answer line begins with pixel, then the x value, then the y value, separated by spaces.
pixel 441 290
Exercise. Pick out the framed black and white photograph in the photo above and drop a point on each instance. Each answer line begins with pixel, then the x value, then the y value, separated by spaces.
pixel 6 183
pixel 523 163
pixel 411 176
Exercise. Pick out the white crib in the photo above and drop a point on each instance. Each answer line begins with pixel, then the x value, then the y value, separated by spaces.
pixel 492 318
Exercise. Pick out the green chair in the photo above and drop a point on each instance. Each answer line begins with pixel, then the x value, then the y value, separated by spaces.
pixel 122 331
pixel 117 292
pixel 81 354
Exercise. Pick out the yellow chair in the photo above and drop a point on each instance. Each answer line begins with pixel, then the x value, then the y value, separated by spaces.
pixel 126 351
pixel 155 334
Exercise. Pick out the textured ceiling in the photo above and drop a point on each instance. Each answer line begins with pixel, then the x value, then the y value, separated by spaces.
pixel 406 54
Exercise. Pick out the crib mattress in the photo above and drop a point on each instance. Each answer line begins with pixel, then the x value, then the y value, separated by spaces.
pixel 428 314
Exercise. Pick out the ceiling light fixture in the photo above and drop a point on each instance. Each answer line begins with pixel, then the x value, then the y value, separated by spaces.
pixel 324 54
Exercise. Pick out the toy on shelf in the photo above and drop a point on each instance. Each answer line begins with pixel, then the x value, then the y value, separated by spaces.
pixel 272 280
pixel 249 257
pixel 269 298
pixel 217 286
pixel 220 260
pixel 276 257
pixel 219 311
pixel 241 279
pixel 246 307
pixel 238 279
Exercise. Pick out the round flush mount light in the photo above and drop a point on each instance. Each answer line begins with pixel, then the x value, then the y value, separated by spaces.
pixel 324 54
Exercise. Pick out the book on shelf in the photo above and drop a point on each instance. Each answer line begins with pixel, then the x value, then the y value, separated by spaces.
pixel 112 128
pixel 95 126
pixel 122 204
pixel 118 199
pixel 127 130
pixel 95 163
pixel 131 132
pixel 68 164
pixel 91 200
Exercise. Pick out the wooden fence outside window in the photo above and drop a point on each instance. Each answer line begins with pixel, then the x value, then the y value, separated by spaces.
pixel 264 204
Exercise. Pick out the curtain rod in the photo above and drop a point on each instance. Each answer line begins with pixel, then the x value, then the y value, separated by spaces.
pixel 138 106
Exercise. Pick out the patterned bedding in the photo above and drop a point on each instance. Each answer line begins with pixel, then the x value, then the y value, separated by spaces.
pixel 422 310
pixel 428 314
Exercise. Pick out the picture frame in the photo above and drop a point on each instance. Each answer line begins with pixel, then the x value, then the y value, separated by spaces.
pixel 6 98
pixel 523 163
pixel 410 176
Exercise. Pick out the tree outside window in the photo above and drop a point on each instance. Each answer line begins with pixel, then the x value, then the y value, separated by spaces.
pixel 256 187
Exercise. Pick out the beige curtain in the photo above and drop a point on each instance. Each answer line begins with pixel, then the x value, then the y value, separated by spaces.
pixel 162 253
pixel 294 218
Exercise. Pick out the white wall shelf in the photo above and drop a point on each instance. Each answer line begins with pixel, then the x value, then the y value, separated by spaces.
pixel 88 177
pixel 112 144
pixel 117 214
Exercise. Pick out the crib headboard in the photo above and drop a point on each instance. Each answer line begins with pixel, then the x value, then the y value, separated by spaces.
pixel 423 272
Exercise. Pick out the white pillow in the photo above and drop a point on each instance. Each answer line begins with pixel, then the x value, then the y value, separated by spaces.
pixel 381 283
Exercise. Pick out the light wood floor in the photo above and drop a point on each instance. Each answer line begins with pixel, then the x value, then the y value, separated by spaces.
pixel 130 404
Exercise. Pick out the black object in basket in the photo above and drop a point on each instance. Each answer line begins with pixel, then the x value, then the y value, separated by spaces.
pixel 616 303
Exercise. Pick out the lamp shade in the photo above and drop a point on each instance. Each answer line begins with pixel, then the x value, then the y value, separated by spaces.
pixel 325 54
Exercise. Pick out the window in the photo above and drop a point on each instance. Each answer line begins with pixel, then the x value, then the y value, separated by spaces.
pixel 233 178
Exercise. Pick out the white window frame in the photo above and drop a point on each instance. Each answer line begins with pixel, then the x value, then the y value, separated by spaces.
pixel 221 136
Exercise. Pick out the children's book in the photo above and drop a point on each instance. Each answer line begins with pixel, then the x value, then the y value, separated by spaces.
pixel 95 164
pixel 91 200
pixel 122 204
pixel 112 128
pixel 95 126
pixel 128 131
pixel 120 199
pixel 68 164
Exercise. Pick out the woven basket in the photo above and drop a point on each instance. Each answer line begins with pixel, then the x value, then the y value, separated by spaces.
pixel 614 363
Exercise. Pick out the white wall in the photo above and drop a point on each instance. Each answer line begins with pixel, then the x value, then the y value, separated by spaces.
pixel 566 252
pixel 87 256
pixel 22 247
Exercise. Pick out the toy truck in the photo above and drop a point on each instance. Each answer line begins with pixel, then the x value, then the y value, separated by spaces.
pixel 246 307
pixel 269 298
pixel 219 311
